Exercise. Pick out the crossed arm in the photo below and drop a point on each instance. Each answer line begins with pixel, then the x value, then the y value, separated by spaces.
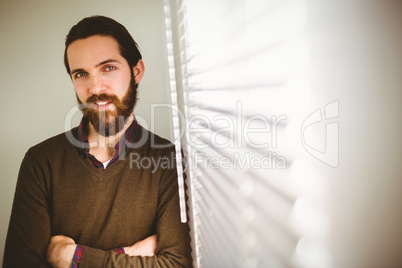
pixel 61 249
pixel 31 241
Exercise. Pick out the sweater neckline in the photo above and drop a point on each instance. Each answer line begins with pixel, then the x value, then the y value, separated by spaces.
pixel 101 175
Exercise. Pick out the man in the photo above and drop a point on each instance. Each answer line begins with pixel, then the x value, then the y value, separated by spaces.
pixel 79 200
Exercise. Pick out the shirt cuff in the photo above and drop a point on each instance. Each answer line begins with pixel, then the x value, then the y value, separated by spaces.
pixel 77 256
pixel 120 250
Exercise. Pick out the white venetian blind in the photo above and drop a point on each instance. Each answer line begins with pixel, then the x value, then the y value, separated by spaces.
pixel 239 77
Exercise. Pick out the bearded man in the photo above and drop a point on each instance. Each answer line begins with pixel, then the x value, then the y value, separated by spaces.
pixel 78 201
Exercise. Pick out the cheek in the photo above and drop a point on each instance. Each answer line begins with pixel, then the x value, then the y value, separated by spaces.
pixel 121 85
pixel 81 92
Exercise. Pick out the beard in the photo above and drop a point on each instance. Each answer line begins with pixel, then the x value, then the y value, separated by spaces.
pixel 107 122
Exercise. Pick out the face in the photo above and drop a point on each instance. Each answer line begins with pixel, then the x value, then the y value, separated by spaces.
pixel 103 81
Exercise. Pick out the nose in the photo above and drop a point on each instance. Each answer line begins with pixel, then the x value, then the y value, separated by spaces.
pixel 97 85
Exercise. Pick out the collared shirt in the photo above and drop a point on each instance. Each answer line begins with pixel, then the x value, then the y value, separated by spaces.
pixel 120 147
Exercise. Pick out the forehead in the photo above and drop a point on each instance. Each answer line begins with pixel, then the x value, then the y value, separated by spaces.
pixel 92 50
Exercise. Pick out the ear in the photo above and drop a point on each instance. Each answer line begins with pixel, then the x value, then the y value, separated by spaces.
pixel 139 70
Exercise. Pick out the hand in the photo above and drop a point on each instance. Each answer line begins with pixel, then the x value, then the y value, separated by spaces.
pixel 146 247
pixel 60 251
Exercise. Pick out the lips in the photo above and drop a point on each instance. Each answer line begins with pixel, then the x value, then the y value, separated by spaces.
pixel 102 104
pixel 102 101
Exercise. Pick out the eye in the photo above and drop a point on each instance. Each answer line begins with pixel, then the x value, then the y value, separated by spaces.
pixel 110 68
pixel 80 74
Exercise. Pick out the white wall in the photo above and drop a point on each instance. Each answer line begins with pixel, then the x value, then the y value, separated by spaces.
pixel 357 58
pixel 36 92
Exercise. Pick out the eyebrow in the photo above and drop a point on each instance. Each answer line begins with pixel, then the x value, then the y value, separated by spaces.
pixel 97 65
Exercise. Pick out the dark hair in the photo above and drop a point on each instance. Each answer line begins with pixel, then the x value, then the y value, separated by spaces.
pixel 100 25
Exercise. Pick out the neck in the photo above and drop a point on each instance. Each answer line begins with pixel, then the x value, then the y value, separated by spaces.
pixel 103 147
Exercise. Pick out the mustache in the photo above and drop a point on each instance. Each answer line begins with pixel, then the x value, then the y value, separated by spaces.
pixel 102 97
pixel 89 105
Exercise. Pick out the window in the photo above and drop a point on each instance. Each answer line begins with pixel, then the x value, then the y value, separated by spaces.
pixel 239 79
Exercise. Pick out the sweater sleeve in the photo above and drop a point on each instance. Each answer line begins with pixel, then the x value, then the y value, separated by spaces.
pixel 29 229
pixel 173 245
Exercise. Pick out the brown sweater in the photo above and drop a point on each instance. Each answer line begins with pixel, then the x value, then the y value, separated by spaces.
pixel 60 193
